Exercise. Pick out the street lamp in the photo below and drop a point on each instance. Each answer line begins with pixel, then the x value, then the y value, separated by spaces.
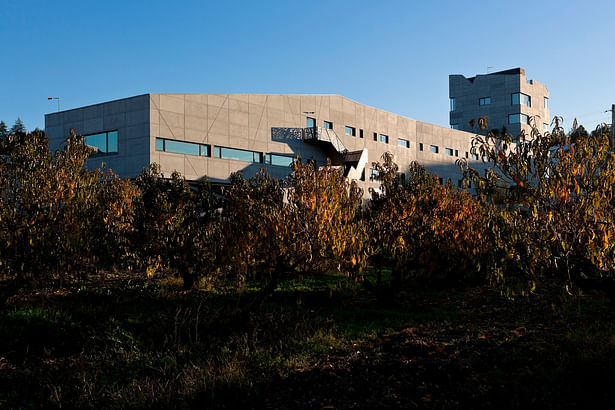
pixel 55 98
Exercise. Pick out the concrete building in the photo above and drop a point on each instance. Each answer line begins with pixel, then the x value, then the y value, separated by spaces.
pixel 507 98
pixel 216 134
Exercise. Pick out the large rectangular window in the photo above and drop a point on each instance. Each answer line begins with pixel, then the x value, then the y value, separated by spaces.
pixel 384 138
pixel 453 104
pixel 182 147
pixel 103 142
pixel 279 160
pixel 352 131
pixel 403 143
pixel 484 101
pixel 518 119
pixel 434 149
pixel 520 98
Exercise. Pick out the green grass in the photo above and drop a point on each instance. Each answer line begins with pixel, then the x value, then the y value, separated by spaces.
pixel 136 343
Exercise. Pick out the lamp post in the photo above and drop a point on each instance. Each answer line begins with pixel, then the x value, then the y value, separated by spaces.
pixel 55 98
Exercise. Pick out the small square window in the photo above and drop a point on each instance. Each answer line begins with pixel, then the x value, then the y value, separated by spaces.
pixel 448 151
pixel 328 125
pixel 352 131
pixel 484 101
pixel 311 122
pixel 384 138
pixel 434 149
pixel 403 143
pixel 475 157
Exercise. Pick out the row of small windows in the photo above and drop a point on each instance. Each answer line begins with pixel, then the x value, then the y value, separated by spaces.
pixel 515 99
pixel 352 132
pixel 204 150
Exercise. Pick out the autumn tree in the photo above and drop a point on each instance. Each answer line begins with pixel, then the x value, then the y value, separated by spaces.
pixel 280 229
pixel 176 227
pixel 46 207
pixel 559 203
pixel 421 226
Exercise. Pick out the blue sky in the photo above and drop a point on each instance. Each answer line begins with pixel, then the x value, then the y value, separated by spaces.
pixel 394 55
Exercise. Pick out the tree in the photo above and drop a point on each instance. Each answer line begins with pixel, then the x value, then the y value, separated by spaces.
pixel 281 229
pixel 18 127
pixel 176 227
pixel 558 209
pixel 421 226
pixel 4 132
pixel 47 204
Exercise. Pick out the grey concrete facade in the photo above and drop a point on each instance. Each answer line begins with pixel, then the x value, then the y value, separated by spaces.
pixel 269 126
pixel 503 98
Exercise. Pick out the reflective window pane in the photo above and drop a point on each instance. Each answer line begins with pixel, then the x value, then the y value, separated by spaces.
pixel 159 144
pixel 98 141
pixel 112 141
pixel 279 160
pixel 180 147
pixel 204 150
pixel 311 122
pixel 403 143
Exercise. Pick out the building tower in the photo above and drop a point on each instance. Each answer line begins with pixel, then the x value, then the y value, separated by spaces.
pixel 507 98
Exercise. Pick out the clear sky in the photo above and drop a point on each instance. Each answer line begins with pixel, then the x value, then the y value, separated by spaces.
pixel 394 55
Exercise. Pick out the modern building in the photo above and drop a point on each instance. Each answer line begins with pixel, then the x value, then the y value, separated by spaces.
pixel 507 98
pixel 216 134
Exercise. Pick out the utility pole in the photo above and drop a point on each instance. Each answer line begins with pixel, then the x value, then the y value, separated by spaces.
pixel 612 139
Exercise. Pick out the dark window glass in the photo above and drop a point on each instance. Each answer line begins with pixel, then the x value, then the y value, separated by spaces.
pixel 420 146
pixel 361 133
pixel 375 136
pixel 352 131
